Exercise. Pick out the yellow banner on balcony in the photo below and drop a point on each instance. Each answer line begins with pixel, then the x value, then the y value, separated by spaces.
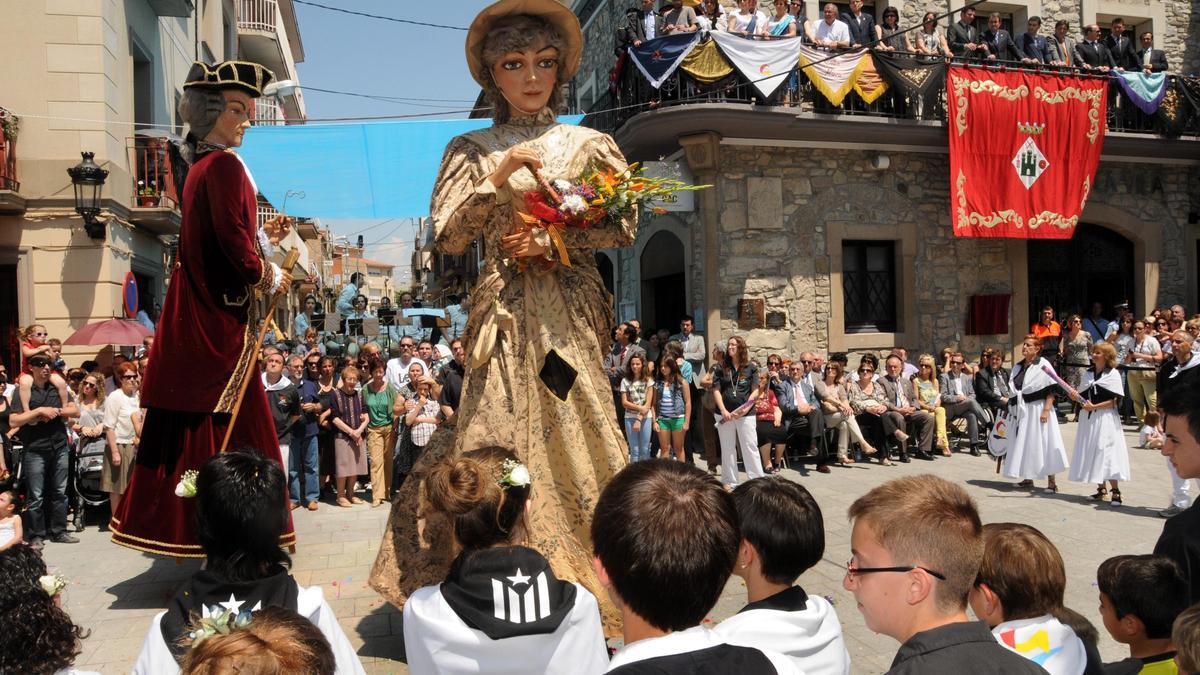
pixel 837 74
pixel 706 63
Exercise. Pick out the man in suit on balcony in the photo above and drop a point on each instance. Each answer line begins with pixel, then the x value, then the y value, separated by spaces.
pixel 1035 47
pixel 861 25
pixel 1121 46
pixel 1000 45
pixel 1092 54
pixel 638 25
pixel 1062 47
pixel 1149 59
pixel 963 36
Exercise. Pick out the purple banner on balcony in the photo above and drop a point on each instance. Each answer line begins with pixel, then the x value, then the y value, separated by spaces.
pixel 363 171
pixel 1145 90
pixel 658 58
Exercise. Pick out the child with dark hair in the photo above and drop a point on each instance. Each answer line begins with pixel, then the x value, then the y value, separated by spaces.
pixel 38 637
pixel 665 573
pixel 241 511
pixel 10 519
pixel 1019 594
pixel 501 609
pixel 783 536
pixel 1186 636
pixel 1140 598
pixel 276 640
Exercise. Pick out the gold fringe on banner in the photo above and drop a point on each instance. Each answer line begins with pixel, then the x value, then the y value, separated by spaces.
pixel 809 56
pixel 706 63
pixel 869 84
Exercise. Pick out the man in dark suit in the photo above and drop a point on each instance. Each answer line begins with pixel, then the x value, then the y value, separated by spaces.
pixel 1149 59
pixel 1091 53
pixel 861 25
pixel 999 42
pixel 963 36
pixel 1035 47
pixel 637 26
pixel 1121 46
pixel 902 399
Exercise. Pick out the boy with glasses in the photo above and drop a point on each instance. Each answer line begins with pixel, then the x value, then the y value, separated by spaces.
pixel 916 547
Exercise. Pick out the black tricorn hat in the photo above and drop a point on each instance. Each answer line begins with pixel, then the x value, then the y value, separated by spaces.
pixel 245 76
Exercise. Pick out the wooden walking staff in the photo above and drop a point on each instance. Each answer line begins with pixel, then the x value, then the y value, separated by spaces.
pixel 288 263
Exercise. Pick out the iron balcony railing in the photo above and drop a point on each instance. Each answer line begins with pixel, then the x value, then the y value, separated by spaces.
pixel 153 177
pixel 630 94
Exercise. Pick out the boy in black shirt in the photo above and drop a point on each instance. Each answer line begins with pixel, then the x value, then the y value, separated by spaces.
pixel 1140 596
pixel 665 536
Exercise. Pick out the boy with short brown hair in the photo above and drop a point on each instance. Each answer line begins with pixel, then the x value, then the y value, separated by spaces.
pixel 916 547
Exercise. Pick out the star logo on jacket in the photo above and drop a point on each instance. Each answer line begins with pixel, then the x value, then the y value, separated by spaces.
pixel 527 605
pixel 232 604
pixel 1030 163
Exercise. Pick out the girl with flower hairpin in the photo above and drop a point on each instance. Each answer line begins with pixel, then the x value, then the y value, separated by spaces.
pixel 501 609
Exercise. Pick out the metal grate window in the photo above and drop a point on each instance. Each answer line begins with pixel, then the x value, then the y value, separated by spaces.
pixel 869 286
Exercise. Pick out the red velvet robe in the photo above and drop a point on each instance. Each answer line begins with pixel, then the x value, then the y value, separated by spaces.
pixel 202 349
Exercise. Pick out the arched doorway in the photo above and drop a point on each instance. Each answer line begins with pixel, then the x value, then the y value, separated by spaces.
pixel 1095 265
pixel 664 288
pixel 604 265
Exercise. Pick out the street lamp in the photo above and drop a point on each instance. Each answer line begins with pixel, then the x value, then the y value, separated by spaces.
pixel 88 179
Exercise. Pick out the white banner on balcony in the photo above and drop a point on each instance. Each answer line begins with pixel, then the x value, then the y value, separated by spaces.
pixel 765 63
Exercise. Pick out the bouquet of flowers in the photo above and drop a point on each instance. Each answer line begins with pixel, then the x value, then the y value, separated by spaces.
pixel 600 197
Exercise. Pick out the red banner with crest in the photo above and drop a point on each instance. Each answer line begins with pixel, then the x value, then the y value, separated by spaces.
pixel 1024 148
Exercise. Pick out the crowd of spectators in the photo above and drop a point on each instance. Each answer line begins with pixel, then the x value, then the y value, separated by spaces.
pixel 856 29
pixel 758 417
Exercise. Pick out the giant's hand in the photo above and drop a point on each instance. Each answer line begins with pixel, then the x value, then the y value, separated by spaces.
pixel 522 245
pixel 516 157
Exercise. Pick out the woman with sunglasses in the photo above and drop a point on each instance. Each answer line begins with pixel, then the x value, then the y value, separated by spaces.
pixel 929 398
pixel 1141 366
pixel 1073 352
pixel 120 408
pixel 840 415
pixel 869 403
pixel 89 426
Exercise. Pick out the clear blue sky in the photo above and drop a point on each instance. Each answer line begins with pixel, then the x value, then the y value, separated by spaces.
pixel 383 58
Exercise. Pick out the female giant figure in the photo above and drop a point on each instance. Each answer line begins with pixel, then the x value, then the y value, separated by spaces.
pixel 533 381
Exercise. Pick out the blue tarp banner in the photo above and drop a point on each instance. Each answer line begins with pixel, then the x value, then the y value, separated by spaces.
pixel 353 171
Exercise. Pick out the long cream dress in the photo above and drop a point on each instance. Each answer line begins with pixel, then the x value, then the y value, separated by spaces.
pixel 573 446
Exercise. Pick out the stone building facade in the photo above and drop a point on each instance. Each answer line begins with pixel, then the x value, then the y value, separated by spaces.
pixel 763 253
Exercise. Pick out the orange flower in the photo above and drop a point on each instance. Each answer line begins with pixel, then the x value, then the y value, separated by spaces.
pixel 658 210
pixel 636 187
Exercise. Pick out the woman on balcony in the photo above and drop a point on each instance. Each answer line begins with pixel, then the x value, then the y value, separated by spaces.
pixel 747 21
pixel 781 25
pixel 892 38
pixel 930 41
pixel 534 381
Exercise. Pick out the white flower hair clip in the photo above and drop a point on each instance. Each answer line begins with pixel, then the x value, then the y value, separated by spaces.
pixel 515 474
pixel 187 484
pixel 53 584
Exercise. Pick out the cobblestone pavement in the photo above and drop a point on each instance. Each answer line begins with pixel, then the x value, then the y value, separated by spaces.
pixel 115 591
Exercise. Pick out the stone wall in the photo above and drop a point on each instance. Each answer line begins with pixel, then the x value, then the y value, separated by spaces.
pixel 599 45
pixel 774 242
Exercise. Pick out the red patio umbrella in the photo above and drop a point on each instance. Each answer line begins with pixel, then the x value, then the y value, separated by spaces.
pixel 119 332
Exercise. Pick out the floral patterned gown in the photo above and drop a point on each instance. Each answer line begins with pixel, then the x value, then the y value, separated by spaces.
pixel 518 320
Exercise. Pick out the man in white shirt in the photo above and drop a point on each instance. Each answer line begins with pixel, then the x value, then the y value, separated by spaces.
pixel 396 372
pixel 832 33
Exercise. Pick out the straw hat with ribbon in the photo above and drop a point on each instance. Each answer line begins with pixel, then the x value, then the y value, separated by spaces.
pixel 552 11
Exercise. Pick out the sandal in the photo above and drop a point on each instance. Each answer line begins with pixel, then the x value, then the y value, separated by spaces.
pixel 343 502
pixel 845 461
pixel 1052 487
pixel 356 500
pixel 869 450
pixel 1116 497
pixel 1025 483
pixel 1102 493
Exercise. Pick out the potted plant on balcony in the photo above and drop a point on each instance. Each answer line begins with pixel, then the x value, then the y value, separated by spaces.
pixel 148 195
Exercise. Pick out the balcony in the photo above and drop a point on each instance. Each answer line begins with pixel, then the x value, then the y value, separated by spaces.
pixel 267 113
pixel 155 204
pixel 11 201
pixel 172 7
pixel 648 122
